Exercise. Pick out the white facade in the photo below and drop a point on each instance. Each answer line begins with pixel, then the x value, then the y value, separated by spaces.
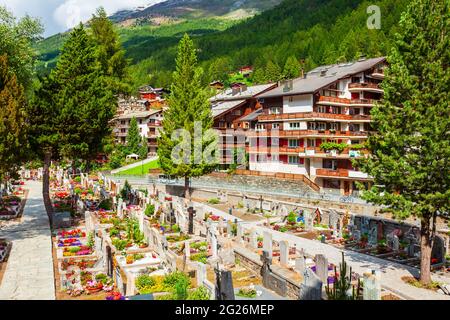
pixel 297 104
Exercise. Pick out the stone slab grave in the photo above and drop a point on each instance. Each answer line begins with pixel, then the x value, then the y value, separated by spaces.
pixel 311 288
pixel 322 267
pixel 372 286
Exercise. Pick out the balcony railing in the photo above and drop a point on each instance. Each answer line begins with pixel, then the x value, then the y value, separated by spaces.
pixel 364 85
pixel 312 115
pixel 333 100
pixel 332 173
pixel 301 133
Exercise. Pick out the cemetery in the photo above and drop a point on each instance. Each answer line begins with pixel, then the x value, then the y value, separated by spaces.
pixel 113 241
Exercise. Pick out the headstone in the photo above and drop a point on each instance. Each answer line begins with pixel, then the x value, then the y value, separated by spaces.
pixel 311 288
pixel 300 264
pixel 201 274
pixel 239 232
pixel 267 243
pixel 334 218
pixel 395 243
pixel 61 220
pixel 191 213
pixel 120 208
pixel 213 231
pixel 230 229
pixel 284 211
pixel 322 267
pixel 373 240
pixel 254 239
pixel 224 285
pixel 372 286
pixel 187 250
pixel 284 253
pixel 266 206
pixel 309 220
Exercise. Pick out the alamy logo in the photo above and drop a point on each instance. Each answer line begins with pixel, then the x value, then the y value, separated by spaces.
pixel 374 20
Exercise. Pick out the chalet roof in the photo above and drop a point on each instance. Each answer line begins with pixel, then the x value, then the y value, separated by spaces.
pixel 222 107
pixel 248 93
pixel 252 116
pixel 315 81
pixel 137 115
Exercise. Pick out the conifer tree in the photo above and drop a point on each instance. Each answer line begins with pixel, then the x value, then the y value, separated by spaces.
pixel 188 104
pixel 13 142
pixel 133 137
pixel 291 68
pixel 272 72
pixel 85 97
pixel 411 150
pixel 111 55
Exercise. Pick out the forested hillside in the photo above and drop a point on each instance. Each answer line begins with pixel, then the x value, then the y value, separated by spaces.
pixel 313 31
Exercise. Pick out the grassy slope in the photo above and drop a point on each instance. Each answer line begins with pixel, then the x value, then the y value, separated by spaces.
pixel 141 169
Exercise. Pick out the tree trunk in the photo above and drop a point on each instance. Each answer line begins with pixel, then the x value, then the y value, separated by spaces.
pixel 187 193
pixel 426 245
pixel 46 184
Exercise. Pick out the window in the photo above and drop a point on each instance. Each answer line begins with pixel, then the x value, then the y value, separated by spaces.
pixel 237 112
pixel 334 126
pixel 330 164
pixel 322 109
pixel 260 127
pixel 275 110
pixel 140 121
pixel 294 160
pixel 293 143
pixel 353 127
pixel 354 111
pixel 275 158
pixel 294 125
pixel 122 122
pixel 321 126
pixel 311 143
pixel 355 141
pixel 275 126
pixel 356 79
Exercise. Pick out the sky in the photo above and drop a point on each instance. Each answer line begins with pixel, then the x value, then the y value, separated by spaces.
pixel 61 15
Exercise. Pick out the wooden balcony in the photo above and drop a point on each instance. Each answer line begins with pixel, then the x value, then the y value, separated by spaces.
pixel 339 173
pixel 365 86
pixel 325 100
pixel 378 74
pixel 308 133
pixel 313 115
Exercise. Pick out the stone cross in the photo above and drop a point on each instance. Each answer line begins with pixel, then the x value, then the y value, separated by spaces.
pixel 311 288
pixel 224 285
pixel 267 243
pixel 372 286
pixel 284 253
pixel 322 267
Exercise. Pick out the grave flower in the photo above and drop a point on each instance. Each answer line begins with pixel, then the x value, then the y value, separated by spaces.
pixel 115 296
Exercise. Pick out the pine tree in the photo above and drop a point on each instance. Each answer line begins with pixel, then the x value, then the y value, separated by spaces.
pixel 272 72
pixel 13 142
pixel 411 151
pixel 143 149
pixel 85 97
pixel 291 68
pixel 188 104
pixel 134 139
pixel 110 52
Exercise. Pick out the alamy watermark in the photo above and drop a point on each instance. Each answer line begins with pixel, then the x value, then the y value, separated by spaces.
pixel 374 20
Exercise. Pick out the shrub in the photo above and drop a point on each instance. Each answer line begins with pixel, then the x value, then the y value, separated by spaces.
pixel 144 282
pixel 150 210
pixel 105 204
pixel 200 293
pixel 171 279
pixel 176 228
pixel 292 218
pixel 214 201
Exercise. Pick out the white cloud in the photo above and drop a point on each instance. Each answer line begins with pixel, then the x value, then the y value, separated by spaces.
pixel 60 15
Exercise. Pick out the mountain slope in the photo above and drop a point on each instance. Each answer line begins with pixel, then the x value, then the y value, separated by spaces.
pixel 190 9
pixel 315 31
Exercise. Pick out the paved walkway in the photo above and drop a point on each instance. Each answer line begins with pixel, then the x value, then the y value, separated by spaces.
pixel 29 273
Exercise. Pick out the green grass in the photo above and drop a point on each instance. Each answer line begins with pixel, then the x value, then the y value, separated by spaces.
pixel 140 170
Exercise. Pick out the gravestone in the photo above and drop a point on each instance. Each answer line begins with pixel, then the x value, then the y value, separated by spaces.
pixel 372 286
pixel 61 220
pixel 266 206
pixel 438 251
pixel 322 267
pixel 120 208
pixel 229 229
pixel 357 234
pixel 300 264
pixel 213 237
pixel 254 239
pixel 201 274
pixel 187 250
pixel 239 232
pixel 267 243
pixel 284 211
pixel 395 243
pixel 365 222
pixel 333 220
pixel 224 285
pixel 309 220
pixel 373 239
pixel 284 253
pixel 191 213
pixel 311 288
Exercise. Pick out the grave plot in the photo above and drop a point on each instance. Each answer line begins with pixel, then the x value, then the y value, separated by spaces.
pixel 125 235
pixel 74 243
pixel 11 206
pixel 5 249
